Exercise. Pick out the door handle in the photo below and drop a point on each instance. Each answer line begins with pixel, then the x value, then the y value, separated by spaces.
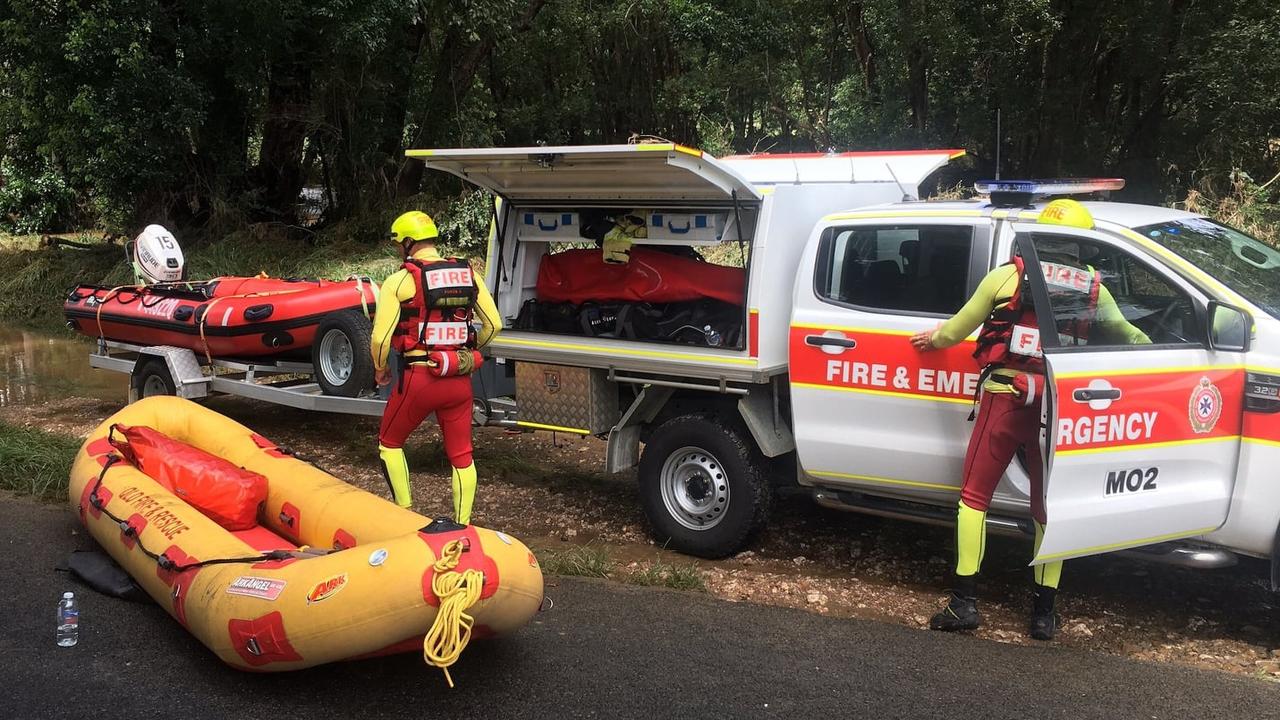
pixel 821 340
pixel 1084 395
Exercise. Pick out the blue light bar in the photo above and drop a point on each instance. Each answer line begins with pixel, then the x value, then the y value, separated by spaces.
pixel 1059 186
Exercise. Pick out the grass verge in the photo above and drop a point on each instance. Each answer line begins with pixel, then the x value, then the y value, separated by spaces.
pixel 593 560
pixel 578 561
pixel 669 575
pixel 35 462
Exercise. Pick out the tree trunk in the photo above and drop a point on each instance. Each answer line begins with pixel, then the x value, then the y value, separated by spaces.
pixel 455 73
pixel 280 171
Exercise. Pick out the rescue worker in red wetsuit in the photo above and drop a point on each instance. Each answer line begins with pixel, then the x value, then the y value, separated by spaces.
pixel 1008 417
pixel 426 312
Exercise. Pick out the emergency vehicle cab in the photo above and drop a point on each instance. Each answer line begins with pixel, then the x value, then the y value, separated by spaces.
pixel 811 380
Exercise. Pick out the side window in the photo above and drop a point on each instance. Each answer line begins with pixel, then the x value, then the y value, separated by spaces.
pixel 913 268
pixel 1103 296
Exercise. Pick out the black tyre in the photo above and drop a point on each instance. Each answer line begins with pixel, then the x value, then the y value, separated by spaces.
pixel 340 354
pixel 703 486
pixel 151 377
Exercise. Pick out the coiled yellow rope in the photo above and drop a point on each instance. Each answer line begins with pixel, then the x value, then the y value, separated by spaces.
pixel 457 592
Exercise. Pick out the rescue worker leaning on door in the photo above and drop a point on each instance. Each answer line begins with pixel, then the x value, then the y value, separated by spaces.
pixel 1008 417
pixel 425 313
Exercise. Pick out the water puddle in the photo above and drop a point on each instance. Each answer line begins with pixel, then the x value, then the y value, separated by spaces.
pixel 35 368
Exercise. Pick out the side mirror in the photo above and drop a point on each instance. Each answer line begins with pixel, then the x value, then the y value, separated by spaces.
pixel 1230 328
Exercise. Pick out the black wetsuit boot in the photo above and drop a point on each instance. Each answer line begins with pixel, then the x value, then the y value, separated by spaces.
pixel 1044 621
pixel 961 612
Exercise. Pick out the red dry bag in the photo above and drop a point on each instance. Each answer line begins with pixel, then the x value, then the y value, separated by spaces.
pixel 226 494
pixel 651 276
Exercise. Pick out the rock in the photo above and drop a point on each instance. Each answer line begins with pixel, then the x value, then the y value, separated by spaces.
pixel 1082 630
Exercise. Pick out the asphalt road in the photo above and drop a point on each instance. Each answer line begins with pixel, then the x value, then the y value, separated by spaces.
pixel 604 650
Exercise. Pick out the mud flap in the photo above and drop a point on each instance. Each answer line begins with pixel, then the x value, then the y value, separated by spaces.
pixel 1275 561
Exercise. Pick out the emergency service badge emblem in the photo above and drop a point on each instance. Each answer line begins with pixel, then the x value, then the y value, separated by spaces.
pixel 1205 406
pixel 551 380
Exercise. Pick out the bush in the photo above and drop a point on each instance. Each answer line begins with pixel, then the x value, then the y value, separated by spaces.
pixel 1239 202
pixel 33 199
pixel 35 462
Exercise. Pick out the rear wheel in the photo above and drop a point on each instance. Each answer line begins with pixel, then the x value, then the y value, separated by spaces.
pixel 151 377
pixel 703 486
pixel 340 354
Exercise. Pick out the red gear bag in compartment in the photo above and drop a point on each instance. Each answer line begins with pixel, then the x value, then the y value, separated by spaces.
pixel 652 276
pixel 226 494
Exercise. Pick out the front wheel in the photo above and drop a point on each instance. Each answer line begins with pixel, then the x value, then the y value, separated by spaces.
pixel 703 486
pixel 340 354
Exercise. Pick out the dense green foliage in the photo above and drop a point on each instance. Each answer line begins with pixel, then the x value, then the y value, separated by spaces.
pixel 217 113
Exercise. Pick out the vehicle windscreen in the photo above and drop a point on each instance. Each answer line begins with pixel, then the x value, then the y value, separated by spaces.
pixel 1247 266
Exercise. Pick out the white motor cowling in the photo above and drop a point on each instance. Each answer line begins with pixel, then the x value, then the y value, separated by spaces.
pixel 156 256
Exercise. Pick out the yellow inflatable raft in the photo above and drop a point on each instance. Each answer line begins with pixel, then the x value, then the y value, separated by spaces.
pixel 330 573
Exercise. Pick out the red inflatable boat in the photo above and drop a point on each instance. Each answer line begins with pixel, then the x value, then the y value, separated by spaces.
pixel 236 317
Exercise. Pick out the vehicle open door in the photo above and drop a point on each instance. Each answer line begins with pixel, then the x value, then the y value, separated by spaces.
pixel 1144 407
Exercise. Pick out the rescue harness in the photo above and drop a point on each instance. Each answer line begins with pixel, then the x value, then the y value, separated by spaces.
pixel 438 315
pixel 1010 337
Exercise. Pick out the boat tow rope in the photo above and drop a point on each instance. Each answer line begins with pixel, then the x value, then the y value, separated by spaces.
pixel 457 592
pixel 161 559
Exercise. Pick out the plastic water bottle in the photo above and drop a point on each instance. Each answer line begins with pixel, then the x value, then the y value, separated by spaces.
pixel 68 620
pixel 712 335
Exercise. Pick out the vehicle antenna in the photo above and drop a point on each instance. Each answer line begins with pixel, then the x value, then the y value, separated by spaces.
pixel 906 197
pixel 997 143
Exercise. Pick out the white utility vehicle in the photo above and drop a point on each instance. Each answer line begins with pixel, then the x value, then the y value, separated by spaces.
pixel 809 378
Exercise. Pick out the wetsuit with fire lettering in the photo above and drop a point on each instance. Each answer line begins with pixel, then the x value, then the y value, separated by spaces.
pixel 1008 416
pixel 428 311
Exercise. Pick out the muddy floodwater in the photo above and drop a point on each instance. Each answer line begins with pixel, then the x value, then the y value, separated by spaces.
pixel 36 367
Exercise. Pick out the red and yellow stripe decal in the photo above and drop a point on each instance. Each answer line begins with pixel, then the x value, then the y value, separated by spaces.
pixel 1157 407
pixel 883 363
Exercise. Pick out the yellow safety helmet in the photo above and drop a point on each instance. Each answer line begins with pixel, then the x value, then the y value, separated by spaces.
pixel 414 226
pixel 1066 212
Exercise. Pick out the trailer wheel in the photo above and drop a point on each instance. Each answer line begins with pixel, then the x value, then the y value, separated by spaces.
pixel 340 354
pixel 703 486
pixel 151 377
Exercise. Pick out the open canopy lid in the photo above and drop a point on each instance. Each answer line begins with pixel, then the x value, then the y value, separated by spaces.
pixel 906 167
pixel 655 171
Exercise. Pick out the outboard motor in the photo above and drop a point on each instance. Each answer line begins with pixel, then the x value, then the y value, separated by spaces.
pixel 156 256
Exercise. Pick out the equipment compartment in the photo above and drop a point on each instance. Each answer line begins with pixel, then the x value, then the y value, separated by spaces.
pixel 669 291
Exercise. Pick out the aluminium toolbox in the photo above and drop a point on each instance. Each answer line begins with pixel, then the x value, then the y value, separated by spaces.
pixel 572 399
